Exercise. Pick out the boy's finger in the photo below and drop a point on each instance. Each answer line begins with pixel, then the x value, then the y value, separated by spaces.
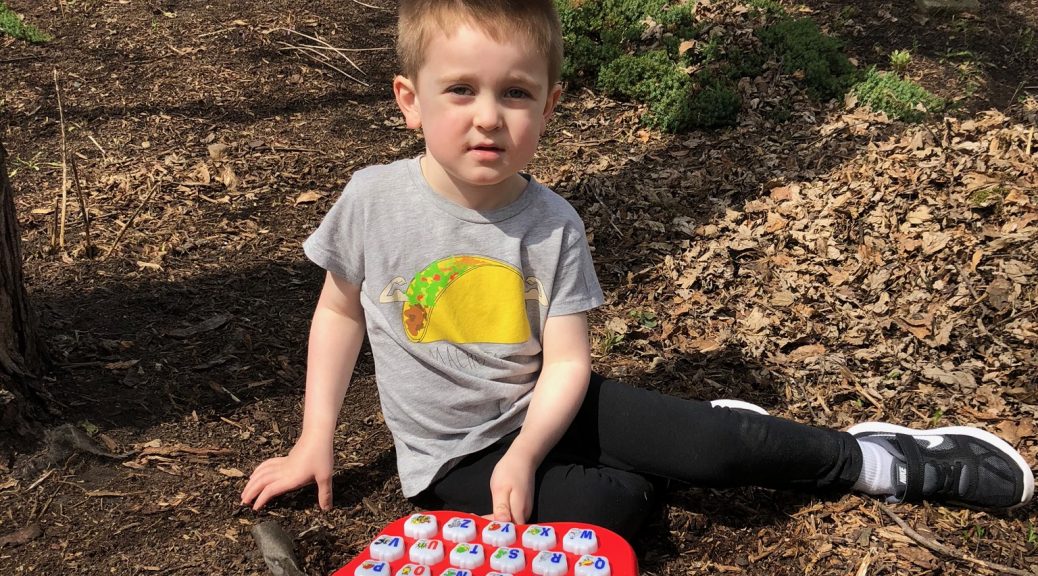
pixel 324 493
pixel 261 500
pixel 502 511
pixel 269 491
pixel 248 494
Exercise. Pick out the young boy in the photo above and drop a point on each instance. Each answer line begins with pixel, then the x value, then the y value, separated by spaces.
pixel 476 318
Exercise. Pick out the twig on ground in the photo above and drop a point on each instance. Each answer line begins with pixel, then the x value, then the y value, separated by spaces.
pixel 322 42
pixel 1023 312
pixel 214 32
pixel 370 6
pixel 323 59
pixel 942 549
pixel 19 59
pixel 340 50
pixel 863 568
pixel 181 567
pixel 129 222
pixel 83 208
pixel 104 154
pixel 64 168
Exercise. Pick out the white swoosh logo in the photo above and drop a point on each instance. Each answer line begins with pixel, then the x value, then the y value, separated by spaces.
pixel 931 441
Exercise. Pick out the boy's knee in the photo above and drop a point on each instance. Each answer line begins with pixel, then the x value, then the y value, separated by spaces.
pixel 614 499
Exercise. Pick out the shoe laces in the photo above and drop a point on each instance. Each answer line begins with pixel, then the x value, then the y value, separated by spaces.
pixel 947 476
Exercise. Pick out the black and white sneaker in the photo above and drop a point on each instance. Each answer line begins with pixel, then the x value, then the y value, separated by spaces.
pixel 956 464
pixel 740 405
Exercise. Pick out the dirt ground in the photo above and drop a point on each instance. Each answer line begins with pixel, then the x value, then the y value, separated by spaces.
pixel 762 262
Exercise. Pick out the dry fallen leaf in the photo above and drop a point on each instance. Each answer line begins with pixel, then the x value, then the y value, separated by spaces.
pixel 231 472
pixel 218 151
pixel 807 352
pixel 228 178
pixel 22 536
pixel 307 197
pixel 705 345
pixel 1014 432
pixel 617 325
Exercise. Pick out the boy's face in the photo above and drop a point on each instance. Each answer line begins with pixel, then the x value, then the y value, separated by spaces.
pixel 482 106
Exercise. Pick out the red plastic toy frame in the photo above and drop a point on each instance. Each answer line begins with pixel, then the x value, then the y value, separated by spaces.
pixel 614 548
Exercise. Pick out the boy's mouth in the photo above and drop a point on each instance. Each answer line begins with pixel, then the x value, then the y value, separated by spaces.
pixel 487 148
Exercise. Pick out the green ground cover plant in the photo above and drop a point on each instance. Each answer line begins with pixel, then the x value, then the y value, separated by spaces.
pixel 12 25
pixel 685 71
pixel 898 97
pixel 803 49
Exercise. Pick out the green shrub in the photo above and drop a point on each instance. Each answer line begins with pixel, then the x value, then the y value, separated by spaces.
pixel 598 31
pixel 676 100
pixel 768 7
pixel 654 51
pixel 12 25
pixel 898 97
pixel 653 78
pixel 715 104
pixel 803 48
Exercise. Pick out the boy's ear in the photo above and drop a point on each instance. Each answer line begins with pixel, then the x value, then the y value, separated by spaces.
pixel 549 106
pixel 407 101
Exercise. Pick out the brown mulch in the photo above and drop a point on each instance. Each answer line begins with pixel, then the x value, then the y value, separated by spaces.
pixel 833 267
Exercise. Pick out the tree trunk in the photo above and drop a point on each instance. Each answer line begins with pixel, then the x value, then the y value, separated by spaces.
pixel 21 352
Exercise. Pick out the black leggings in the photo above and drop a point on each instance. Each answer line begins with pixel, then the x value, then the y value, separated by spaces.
pixel 600 471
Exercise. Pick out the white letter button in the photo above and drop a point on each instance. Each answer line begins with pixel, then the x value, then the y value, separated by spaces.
pixel 466 555
pixel 580 541
pixel 549 563
pixel 372 568
pixel 539 537
pixel 508 560
pixel 387 548
pixel 499 534
pixel 420 526
pixel 589 565
pixel 459 530
pixel 426 552
pixel 413 570
pixel 455 572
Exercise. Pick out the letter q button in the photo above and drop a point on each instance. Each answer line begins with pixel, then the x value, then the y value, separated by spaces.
pixel 588 565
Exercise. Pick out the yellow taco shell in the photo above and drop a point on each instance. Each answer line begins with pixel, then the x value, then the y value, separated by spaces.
pixel 485 304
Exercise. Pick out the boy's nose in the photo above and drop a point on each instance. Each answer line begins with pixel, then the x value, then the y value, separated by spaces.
pixel 488 115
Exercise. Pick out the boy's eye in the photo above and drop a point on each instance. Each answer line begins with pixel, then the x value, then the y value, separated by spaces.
pixel 460 90
pixel 517 93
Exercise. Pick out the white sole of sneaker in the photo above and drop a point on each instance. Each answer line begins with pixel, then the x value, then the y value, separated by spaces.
pixel 1002 445
pixel 738 405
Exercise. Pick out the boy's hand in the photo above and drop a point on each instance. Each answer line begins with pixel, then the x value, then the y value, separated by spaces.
pixel 511 488
pixel 307 462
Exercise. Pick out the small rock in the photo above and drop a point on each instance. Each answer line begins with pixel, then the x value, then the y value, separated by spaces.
pixel 949 6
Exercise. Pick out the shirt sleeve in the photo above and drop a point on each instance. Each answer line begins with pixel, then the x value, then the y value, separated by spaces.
pixel 576 287
pixel 338 243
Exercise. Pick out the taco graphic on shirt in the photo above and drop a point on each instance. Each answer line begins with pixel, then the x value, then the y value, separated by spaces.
pixel 465 299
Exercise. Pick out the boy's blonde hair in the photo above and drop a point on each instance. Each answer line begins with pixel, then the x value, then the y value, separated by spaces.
pixel 534 21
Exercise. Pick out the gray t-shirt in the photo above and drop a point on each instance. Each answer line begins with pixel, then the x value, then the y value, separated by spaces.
pixel 455 301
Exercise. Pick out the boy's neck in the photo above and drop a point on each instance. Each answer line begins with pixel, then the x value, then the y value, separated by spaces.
pixel 481 198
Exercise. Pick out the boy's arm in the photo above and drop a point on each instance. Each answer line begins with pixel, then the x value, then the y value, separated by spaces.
pixel 557 396
pixel 336 334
